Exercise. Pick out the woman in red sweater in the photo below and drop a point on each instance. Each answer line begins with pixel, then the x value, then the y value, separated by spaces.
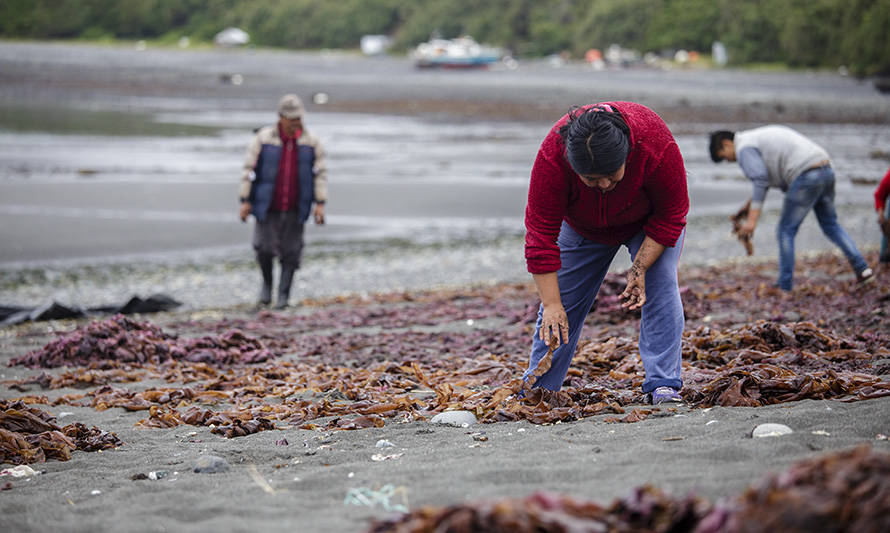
pixel 608 175
pixel 882 206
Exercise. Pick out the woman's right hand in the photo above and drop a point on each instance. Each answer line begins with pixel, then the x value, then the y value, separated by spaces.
pixel 554 324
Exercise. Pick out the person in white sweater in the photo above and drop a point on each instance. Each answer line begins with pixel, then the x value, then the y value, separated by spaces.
pixel 778 156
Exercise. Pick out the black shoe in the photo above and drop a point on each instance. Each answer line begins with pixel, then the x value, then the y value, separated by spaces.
pixel 265 262
pixel 287 276
pixel 265 295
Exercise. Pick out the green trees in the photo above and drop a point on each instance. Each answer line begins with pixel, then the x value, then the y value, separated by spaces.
pixel 801 33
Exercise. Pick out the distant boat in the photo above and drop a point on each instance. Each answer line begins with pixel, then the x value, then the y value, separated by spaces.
pixel 462 52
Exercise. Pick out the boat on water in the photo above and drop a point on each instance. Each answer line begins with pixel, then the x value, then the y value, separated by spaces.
pixel 460 53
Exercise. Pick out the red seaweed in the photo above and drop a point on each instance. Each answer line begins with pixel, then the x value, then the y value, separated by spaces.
pixel 822 342
pixel 30 435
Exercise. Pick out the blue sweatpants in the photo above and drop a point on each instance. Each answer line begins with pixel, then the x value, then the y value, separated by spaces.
pixel 584 266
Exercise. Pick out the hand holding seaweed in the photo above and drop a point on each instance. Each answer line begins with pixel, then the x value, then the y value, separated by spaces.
pixel 738 221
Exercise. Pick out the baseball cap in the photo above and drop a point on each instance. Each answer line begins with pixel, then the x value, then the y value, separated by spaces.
pixel 290 106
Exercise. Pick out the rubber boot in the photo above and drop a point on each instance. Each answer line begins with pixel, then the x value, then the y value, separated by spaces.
pixel 265 262
pixel 287 276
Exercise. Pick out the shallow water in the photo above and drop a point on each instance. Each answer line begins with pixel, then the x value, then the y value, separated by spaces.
pixel 111 156
pixel 413 178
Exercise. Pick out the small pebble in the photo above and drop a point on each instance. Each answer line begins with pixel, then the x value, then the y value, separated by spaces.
pixel 19 471
pixel 156 475
pixel 771 430
pixel 210 464
pixel 455 418
pixel 383 443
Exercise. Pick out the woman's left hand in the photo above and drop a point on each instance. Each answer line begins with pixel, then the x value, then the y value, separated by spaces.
pixel 634 294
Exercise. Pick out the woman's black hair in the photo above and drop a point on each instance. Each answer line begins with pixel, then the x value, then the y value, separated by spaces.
pixel 597 140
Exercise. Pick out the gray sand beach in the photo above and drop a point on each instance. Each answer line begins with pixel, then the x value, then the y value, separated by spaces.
pixel 304 486
pixel 118 176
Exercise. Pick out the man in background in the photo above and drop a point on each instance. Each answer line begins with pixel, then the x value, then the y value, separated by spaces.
pixel 284 175
pixel 778 156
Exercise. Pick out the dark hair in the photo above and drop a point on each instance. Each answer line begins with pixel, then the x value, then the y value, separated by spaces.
pixel 597 140
pixel 717 138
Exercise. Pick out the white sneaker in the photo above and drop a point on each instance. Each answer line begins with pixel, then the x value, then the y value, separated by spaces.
pixel 865 276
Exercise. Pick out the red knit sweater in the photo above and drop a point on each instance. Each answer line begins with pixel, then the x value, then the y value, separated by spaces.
pixel 652 195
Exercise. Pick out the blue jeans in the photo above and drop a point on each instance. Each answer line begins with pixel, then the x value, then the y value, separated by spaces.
pixel 814 189
pixel 584 266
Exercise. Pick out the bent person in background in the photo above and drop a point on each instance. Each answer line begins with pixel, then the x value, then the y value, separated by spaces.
pixel 608 175
pixel 778 156
pixel 284 175
pixel 882 206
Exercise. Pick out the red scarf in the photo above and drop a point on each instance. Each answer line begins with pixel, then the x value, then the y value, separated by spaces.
pixel 287 190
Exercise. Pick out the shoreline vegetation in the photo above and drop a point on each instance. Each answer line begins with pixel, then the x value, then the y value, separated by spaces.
pixel 830 34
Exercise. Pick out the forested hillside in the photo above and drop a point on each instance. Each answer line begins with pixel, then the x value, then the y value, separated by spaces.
pixel 800 33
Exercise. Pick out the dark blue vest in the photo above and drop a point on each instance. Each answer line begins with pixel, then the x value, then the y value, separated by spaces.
pixel 263 188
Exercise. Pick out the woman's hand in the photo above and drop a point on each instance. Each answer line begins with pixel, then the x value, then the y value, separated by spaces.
pixel 554 325
pixel 634 294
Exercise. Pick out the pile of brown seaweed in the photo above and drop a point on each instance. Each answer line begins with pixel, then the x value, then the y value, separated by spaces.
pixel 841 491
pixel 124 340
pixel 360 361
pixel 30 435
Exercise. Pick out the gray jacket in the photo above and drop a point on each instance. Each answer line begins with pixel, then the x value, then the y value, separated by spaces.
pixel 773 156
